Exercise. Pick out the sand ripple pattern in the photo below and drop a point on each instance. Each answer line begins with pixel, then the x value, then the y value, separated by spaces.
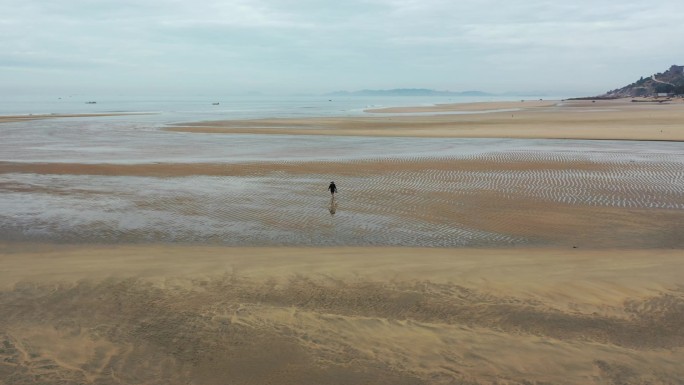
pixel 592 198
pixel 325 331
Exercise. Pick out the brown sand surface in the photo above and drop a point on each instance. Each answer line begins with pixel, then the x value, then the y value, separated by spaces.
pixel 216 315
pixel 604 119
pixel 465 107
pixel 291 167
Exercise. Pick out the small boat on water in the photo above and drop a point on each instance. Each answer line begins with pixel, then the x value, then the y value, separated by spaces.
pixel 91 102
pixel 215 104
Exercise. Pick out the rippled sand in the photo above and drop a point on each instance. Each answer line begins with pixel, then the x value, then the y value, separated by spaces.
pixel 214 315
pixel 536 198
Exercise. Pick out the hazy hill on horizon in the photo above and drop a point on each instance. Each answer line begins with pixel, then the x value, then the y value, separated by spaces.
pixel 669 82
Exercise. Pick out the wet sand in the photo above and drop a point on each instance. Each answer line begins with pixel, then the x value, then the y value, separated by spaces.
pixel 604 119
pixel 542 265
pixel 584 199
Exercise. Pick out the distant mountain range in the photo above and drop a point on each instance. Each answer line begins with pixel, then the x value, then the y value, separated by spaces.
pixel 670 82
pixel 408 92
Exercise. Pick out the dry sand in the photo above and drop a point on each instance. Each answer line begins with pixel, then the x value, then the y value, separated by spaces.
pixel 604 119
pixel 167 314
pixel 213 315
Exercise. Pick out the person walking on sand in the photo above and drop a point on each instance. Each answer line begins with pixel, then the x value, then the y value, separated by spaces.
pixel 332 188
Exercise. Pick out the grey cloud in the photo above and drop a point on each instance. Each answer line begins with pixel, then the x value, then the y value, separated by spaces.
pixel 309 45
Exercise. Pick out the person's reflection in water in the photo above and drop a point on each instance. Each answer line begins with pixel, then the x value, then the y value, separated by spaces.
pixel 333 205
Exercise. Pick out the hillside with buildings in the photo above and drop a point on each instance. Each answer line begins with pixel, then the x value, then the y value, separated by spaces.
pixel 668 83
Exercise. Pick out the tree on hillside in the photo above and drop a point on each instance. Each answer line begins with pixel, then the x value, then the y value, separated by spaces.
pixel 640 91
pixel 664 88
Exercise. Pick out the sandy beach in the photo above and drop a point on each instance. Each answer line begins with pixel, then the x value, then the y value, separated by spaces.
pixel 602 119
pixel 152 314
pixel 527 262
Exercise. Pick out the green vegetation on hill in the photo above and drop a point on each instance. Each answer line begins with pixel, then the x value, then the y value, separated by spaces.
pixel 670 82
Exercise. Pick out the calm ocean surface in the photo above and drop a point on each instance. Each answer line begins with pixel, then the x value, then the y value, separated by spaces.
pixel 175 109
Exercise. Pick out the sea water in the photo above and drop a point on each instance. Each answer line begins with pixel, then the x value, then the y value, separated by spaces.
pixel 183 108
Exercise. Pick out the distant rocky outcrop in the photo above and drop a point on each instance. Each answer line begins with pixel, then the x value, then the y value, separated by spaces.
pixel 670 83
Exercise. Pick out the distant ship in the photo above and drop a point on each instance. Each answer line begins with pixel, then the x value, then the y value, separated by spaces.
pixel 91 102
pixel 215 104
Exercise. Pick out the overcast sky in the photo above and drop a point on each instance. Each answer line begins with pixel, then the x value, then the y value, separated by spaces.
pixel 316 46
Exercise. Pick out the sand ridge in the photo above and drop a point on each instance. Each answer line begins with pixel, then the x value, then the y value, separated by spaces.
pixel 549 120
pixel 468 107
pixel 370 166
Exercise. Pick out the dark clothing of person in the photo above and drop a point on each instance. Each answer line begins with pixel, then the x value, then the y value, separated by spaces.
pixel 332 188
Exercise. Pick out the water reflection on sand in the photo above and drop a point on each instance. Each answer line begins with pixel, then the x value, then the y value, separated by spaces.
pixel 420 195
